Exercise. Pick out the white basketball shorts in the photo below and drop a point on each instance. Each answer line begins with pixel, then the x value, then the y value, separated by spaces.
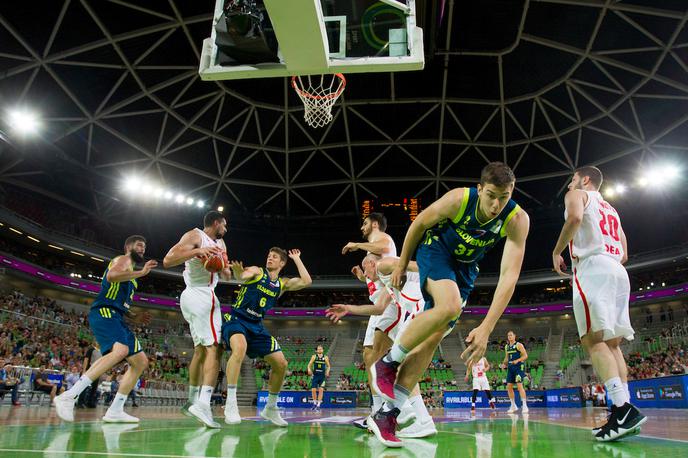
pixel 601 292
pixel 201 309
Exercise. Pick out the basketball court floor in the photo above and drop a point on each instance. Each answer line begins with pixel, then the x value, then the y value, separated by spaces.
pixel 164 432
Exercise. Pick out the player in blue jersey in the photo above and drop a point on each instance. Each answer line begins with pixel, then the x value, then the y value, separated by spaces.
pixel 244 334
pixel 319 369
pixel 449 238
pixel 515 355
pixel 116 340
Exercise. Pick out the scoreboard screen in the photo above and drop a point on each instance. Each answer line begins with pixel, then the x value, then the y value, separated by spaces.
pixel 405 209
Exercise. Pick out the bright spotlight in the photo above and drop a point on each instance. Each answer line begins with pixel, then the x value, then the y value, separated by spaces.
pixel 158 192
pixel 132 184
pixel 620 188
pixel 147 189
pixel 610 192
pixel 168 195
pixel 200 204
pixel 642 182
pixel 23 122
pixel 180 198
pixel 189 201
pixel 669 172
pixel 220 208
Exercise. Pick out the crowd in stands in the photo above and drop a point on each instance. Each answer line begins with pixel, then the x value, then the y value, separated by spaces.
pixel 670 361
pixel 37 333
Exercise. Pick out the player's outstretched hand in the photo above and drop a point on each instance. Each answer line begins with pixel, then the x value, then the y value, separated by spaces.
pixel 397 275
pixel 237 269
pixel 351 246
pixel 149 265
pixel 310 372
pixel 295 253
pixel 336 312
pixel 559 265
pixel 477 340
pixel 465 379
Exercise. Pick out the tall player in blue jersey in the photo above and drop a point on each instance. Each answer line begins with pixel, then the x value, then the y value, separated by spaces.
pixel 515 355
pixel 449 238
pixel 243 331
pixel 116 341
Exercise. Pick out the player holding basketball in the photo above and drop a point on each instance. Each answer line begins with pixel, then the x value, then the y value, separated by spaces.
pixel 515 355
pixel 382 245
pixel 319 369
pixel 244 334
pixel 116 341
pixel 201 309
pixel 601 289
pixel 480 382
pixel 449 238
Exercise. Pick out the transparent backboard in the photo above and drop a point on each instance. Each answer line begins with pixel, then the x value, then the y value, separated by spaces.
pixel 327 36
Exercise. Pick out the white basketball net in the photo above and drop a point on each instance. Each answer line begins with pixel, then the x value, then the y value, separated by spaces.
pixel 318 94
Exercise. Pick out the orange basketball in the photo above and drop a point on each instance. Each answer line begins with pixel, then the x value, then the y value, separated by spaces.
pixel 215 264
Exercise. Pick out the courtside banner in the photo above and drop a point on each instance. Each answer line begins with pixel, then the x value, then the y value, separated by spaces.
pixel 671 392
pixel 565 397
pixel 331 399
pixel 462 399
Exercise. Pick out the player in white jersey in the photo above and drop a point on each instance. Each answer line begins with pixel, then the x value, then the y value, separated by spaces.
pixel 480 382
pixel 394 309
pixel 601 290
pixel 201 309
pixel 381 244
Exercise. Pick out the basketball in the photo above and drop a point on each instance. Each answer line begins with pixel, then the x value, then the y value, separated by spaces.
pixel 215 264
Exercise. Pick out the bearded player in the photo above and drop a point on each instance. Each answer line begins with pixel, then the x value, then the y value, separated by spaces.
pixel 201 309
pixel 378 243
pixel 601 290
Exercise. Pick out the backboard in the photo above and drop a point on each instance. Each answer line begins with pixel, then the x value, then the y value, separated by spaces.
pixel 325 37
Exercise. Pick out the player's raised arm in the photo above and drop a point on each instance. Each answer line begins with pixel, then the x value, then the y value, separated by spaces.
pixel 445 207
pixel 188 247
pixel 304 279
pixel 575 207
pixel 120 270
pixel 327 363
pixel 510 270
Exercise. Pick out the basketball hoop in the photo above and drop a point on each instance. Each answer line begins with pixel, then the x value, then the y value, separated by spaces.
pixel 318 94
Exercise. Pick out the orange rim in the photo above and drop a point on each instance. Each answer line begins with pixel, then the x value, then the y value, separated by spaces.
pixel 308 95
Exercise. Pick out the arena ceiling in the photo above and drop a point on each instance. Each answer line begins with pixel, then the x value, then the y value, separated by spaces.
pixel 544 85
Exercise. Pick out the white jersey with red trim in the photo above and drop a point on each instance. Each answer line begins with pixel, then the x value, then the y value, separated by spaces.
pixel 599 232
pixel 375 289
pixel 478 368
pixel 195 274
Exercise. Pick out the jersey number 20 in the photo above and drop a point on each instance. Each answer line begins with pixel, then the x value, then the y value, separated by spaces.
pixel 609 221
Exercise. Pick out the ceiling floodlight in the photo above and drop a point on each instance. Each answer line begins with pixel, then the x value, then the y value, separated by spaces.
pixel 23 122
pixel 200 204
pixel 189 201
pixel 180 198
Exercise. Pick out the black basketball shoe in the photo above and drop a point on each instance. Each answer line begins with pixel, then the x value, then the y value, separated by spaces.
pixel 624 421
